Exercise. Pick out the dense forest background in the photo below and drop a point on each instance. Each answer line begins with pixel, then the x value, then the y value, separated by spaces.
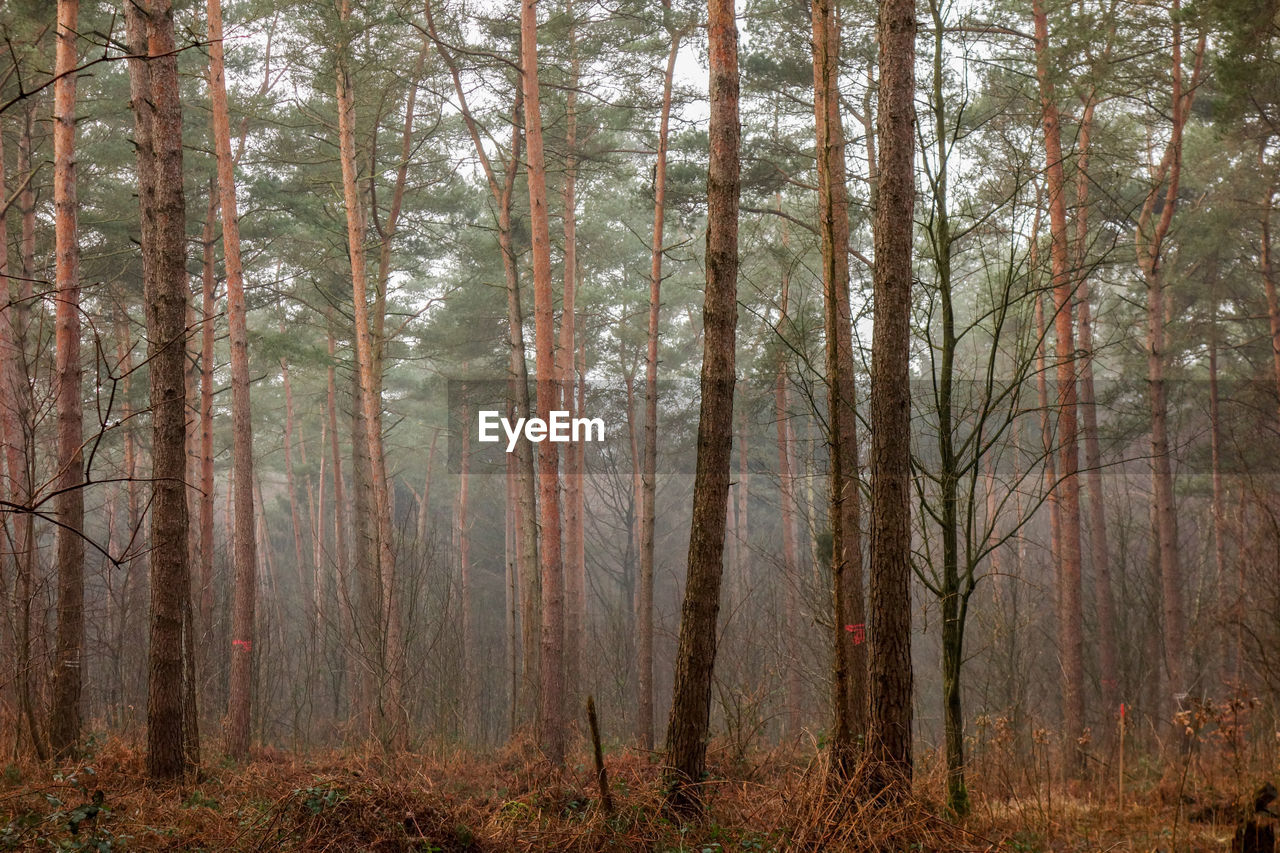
pixel 266 261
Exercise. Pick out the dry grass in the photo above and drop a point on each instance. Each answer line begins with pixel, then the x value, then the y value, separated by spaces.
pixel 512 801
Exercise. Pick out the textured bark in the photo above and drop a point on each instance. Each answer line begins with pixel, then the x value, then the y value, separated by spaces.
pixel 890 724
pixel 849 662
pixel 158 135
pixel 64 716
pixel 552 725
pixel 689 722
pixel 1067 489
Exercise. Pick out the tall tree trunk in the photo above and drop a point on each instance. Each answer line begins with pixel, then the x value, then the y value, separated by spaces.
pixel 158 135
pixel 64 717
pixel 552 724
pixel 787 501
pixel 951 592
pixel 1070 628
pixel 208 329
pixel 1218 504
pixel 689 722
pixel 393 731
pixel 244 554
pixel 889 736
pixel 1108 657
pixel 649 459
pixel 849 663
pixel 1149 239
pixel 20 451
pixel 574 571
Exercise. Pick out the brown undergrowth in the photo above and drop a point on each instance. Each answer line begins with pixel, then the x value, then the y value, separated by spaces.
pixel 512 801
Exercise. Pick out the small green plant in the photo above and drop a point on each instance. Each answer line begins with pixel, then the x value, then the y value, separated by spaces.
pixel 198 799
pixel 318 798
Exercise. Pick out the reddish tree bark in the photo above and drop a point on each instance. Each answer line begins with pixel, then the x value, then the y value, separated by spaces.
pixel 1067 489
pixel 64 717
pixel 552 725
pixel 244 554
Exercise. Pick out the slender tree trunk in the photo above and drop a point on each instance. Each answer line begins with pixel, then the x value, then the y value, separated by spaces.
pixel 552 724
pixel 787 500
pixel 951 594
pixel 12 432
pixel 518 384
pixel 64 717
pixel 1219 491
pixel 1149 239
pixel 849 663
pixel 741 516
pixel 689 722
pixel 158 136
pixel 1070 629
pixel 208 329
pixel 1269 280
pixel 649 459
pixel 19 452
pixel 470 676
pixel 1108 657
pixel 526 483
pixel 289 479
pixel 512 587
pixel 574 571
pixel 394 729
pixel 244 555
pixel 890 724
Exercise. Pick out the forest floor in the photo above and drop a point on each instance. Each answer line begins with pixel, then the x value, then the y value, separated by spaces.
pixel 511 801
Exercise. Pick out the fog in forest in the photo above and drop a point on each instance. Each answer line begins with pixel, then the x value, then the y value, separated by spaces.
pixel 582 425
